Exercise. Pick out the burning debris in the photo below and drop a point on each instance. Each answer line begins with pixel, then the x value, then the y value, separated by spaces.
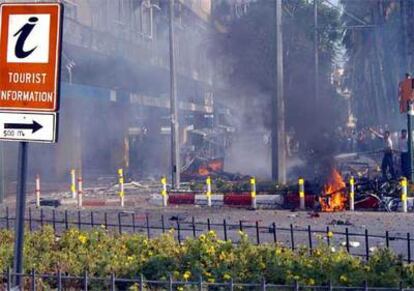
pixel 200 169
pixel 334 196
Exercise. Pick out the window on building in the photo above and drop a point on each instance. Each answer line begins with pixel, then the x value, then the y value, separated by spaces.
pixel 99 12
pixel 146 18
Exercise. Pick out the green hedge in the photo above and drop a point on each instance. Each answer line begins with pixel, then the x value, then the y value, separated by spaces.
pixel 101 253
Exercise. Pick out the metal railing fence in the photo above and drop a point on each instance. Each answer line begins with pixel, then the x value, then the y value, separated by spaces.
pixel 356 243
pixel 59 281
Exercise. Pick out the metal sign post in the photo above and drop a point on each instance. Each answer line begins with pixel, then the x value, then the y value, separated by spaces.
pixel 30 48
pixel 20 211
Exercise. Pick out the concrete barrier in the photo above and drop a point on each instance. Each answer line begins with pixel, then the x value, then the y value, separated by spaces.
pixel 181 198
pixel 202 200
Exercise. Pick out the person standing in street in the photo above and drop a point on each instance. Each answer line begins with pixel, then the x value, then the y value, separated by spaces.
pixel 403 147
pixel 387 164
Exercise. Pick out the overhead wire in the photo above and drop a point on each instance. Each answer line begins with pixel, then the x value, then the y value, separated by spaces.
pixel 345 12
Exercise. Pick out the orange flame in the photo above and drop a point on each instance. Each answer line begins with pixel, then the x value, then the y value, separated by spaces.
pixel 212 166
pixel 216 165
pixel 334 197
pixel 203 171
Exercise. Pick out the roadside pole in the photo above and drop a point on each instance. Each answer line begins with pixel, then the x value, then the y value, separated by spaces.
pixel 208 191
pixel 410 127
pixel 175 140
pixel 404 192
pixel 121 187
pixel 73 183
pixel 278 107
pixel 352 193
pixel 37 190
pixel 302 202
pixel 164 192
pixel 20 210
pixel 253 192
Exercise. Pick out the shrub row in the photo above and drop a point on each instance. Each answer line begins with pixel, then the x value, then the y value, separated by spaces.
pixel 129 255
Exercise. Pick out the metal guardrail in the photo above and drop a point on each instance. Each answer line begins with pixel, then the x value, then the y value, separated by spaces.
pixel 60 281
pixel 292 237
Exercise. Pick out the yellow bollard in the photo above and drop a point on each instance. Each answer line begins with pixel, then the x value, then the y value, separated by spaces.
pixel 37 190
pixel 164 191
pixel 301 183
pixel 404 192
pixel 73 183
pixel 208 191
pixel 121 187
pixel 351 193
pixel 253 192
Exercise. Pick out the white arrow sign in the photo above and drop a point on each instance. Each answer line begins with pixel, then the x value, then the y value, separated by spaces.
pixel 28 126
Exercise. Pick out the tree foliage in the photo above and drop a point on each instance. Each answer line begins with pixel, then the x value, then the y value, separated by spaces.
pixel 250 48
pixel 378 57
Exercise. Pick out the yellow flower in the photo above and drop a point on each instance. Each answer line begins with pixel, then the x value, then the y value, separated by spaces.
pixel 130 258
pixel 212 233
pixel 330 234
pixel 82 238
pixel 222 256
pixel 180 288
pixel 211 280
pixel 187 275
pixel 311 281
pixel 226 277
pixel 343 278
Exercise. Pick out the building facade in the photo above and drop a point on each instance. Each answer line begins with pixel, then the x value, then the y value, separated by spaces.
pixel 115 87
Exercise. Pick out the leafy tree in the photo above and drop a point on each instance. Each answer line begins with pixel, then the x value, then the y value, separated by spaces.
pixel 378 57
pixel 249 45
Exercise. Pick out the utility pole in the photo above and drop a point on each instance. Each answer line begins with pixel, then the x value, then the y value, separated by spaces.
pixel 175 142
pixel 278 106
pixel 410 127
pixel 405 64
pixel 315 50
